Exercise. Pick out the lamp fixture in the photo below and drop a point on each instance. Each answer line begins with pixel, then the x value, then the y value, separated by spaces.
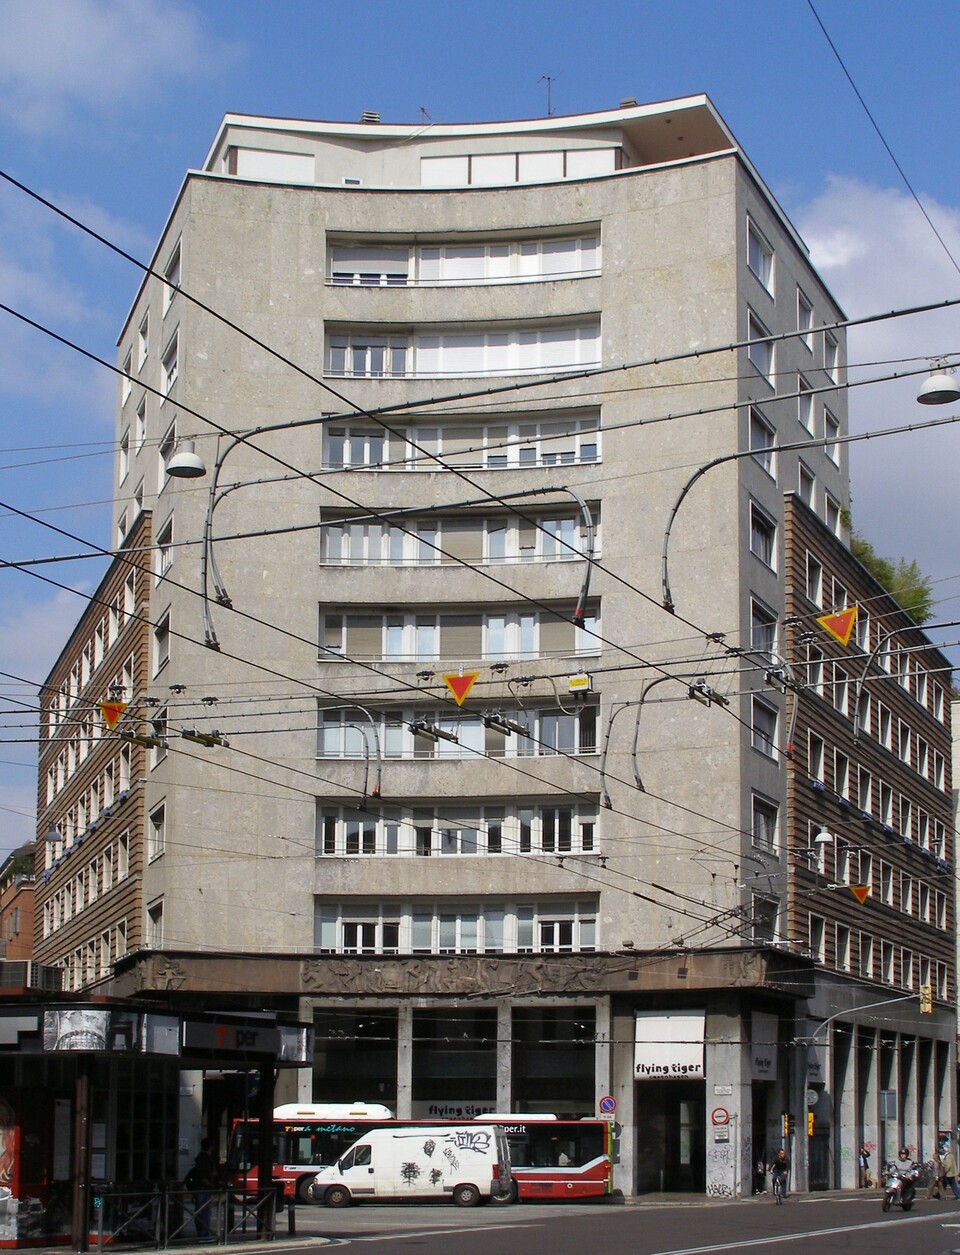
pixel 940 388
pixel 52 834
pixel 209 739
pixel 186 463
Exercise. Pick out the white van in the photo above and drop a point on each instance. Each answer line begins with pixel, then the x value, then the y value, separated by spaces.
pixel 469 1163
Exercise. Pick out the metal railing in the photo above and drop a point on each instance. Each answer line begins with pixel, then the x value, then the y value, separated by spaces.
pixel 169 1215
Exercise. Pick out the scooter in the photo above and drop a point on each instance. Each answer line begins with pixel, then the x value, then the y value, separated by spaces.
pixel 900 1185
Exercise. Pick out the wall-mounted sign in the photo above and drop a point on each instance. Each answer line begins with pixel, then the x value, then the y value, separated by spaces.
pixel 669 1046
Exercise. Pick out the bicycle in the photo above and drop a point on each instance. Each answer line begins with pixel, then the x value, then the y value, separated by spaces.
pixel 779 1187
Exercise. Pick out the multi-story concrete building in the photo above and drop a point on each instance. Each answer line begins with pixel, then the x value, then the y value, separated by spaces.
pixel 474 778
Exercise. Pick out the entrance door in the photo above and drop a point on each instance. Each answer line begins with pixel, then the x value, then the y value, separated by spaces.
pixel 671 1146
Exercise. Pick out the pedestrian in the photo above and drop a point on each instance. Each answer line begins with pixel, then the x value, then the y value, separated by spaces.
pixel 760 1176
pixel 864 1162
pixel 203 1179
pixel 950 1172
pixel 935 1186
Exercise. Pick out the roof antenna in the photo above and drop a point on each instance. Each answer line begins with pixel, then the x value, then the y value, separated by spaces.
pixel 424 116
pixel 549 79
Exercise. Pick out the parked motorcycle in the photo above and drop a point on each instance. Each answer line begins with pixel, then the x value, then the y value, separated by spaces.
pixel 900 1184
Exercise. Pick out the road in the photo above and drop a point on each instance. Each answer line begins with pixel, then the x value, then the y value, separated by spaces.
pixel 803 1226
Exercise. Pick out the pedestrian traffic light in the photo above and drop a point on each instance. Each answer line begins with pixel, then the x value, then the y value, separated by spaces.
pixel 926 999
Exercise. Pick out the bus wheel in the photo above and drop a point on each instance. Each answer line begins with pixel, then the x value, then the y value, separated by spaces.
pixel 337 1196
pixel 511 1195
pixel 466 1195
pixel 304 1187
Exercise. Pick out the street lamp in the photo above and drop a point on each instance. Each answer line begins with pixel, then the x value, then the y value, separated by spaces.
pixel 939 388
pixel 186 463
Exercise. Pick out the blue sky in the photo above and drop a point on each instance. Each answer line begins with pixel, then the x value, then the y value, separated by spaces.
pixel 105 103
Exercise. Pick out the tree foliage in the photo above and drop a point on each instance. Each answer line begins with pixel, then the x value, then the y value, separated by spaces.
pixel 902 579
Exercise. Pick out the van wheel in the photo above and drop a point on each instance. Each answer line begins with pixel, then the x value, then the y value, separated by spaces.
pixel 337 1196
pixel 466 1195
pixel 304 1187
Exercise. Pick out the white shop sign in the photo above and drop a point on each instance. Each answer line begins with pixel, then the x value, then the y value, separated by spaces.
pixel 669 1046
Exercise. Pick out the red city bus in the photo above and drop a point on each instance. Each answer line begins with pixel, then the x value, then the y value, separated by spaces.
pixel 550 1158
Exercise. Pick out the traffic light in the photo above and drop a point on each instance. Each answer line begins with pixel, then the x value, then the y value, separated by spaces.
pixel 809 1124
pixel 787 1122
pixel 926 999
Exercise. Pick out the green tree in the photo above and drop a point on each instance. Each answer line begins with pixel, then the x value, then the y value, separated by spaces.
pixel 902 579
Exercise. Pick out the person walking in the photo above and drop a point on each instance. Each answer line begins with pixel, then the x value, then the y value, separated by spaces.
pixel 935 1186
pixel 864 1164
pixel 949 1165
pixel 203 1179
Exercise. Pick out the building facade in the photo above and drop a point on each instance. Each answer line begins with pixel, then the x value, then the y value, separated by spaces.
pixel 469 646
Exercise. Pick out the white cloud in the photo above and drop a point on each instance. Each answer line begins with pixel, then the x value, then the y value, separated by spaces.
pixel 58 56
pixel 877 253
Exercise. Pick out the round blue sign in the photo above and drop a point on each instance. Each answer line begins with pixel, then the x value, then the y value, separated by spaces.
pixel 607 1105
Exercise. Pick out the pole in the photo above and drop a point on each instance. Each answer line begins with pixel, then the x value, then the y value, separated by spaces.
pixel 80 1223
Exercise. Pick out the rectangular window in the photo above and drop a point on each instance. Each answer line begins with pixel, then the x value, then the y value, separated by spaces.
pixel 172 276
pixel 806 485
pixel 155 925
pixel 804 319
pixel 805 403
pixel 763 536
pixel 831 430
pixel 762 441
pixel 818 938
pixel 830 355
pixel 763 629
pixel 161 643
pixel 764 728
pixel 816 754
pixel 170 363
pixel 843 948
pixel 765 815
pixel 832 514
pixel 814 580
pixel 759 256
pixel 760 347
pixel 157 833
pixel 765 915
pixel 143 340
pixel 164 554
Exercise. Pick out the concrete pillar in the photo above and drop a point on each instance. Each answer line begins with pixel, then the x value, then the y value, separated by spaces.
pixel 845 1107
pixel 909 1105
pixel 404 1061
pixel 726 1070
pixel 927 1086
pixel 603 1056
pixel 624 1089
pixel 504 1056
pixel 870 1086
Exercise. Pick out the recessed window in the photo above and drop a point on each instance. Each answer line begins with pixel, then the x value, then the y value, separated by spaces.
pixel 814 580
pixel 155 925
pixel 831 430
pixel 172 276
pixel 124 463
pixel 759 256
pixel 171 362
pixel 765 912
pixel 815 757
pixel 164 555
pixel 764 728
pixel 832 514
pixel 760 348
pixel 804 319
pixel 830 355
pixel 763 536
pixel 143 340
pixel 804 403
pixel 762 441
pixel 763 629
pixel 765 816
pixel 161 643
pixel 125 382
pixel 806 484
pixel 157 833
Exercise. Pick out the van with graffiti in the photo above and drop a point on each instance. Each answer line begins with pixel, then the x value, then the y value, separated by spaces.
pixel 468 1163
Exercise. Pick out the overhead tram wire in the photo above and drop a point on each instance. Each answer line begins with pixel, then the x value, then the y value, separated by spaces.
pixel 880 135
pixel 485 574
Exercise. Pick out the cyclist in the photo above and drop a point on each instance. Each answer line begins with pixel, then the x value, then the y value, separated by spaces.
pixel 778 1173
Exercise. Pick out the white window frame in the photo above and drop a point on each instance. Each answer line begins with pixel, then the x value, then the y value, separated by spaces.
pixel 760 255
pixel 761 351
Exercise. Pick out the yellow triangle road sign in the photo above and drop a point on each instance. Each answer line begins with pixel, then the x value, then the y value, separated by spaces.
pixel 860 892
pixel 112 713
pixel 460 685
pixel 840 625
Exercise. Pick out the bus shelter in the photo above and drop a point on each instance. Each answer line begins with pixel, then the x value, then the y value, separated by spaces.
pixel 89 1100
